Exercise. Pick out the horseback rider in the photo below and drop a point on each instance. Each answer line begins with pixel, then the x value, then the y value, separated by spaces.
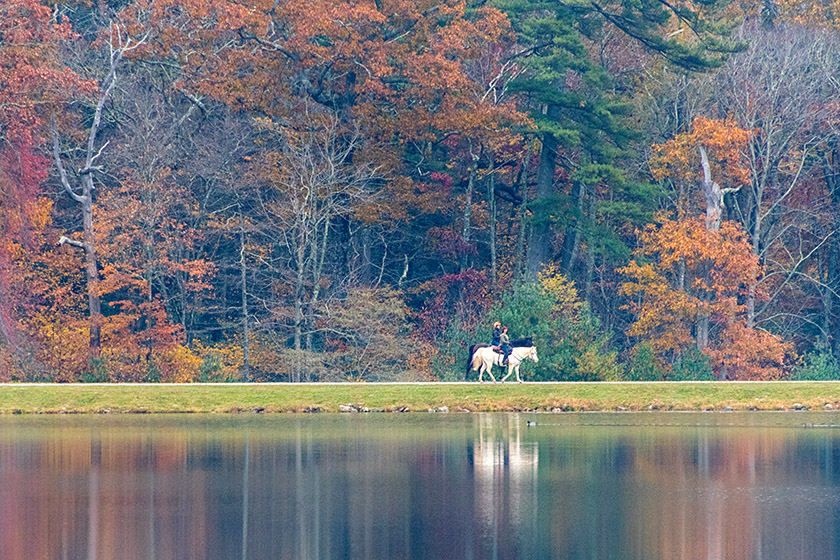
pixel 504 342
pixel 497 332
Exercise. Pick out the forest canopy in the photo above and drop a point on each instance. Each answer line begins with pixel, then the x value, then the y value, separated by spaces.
pixel 320 190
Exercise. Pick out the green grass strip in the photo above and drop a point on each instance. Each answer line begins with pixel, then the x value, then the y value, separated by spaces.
pixel 407 397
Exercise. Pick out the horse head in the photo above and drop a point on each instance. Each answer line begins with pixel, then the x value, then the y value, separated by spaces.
pixel 533 354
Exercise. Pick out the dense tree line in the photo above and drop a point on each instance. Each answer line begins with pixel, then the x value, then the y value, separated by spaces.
pixel 321 189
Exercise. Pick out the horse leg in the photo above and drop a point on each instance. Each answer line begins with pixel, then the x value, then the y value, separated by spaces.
pixel 490 370
pixel 518 379
pixel 510 370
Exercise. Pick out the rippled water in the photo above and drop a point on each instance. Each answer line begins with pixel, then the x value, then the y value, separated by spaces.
pixel 387 486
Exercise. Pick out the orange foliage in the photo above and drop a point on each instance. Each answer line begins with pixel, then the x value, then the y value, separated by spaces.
pixel 144 240
pixel 408 69
pixel 683 273
pixel 724 141
pixel 751 354
pixel 31 68
pixel 679 158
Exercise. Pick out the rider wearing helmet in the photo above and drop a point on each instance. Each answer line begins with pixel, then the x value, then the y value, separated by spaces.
pixel 497 332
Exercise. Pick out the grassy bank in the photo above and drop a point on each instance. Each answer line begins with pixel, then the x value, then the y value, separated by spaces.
pixel 398 397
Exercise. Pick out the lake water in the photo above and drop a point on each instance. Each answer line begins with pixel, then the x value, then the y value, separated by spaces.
pixel 421 486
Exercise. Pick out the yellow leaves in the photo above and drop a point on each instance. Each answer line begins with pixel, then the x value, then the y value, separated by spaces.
pixel 179 365
pixel 820 13
pixel 64 343
pixel 222 360
pixel 563 290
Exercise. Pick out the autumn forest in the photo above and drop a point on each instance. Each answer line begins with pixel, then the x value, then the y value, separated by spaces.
pixel 328 190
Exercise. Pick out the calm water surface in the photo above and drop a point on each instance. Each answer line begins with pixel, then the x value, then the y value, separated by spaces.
pixel 387 486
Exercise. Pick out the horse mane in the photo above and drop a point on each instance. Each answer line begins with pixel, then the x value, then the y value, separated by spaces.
pixel 525 342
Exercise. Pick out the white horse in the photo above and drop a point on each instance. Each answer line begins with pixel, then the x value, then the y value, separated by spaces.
pixel 483 359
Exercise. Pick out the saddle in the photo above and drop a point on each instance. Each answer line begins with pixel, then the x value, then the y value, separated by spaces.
pixel 497 349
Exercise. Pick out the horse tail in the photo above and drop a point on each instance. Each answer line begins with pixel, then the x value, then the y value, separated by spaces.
pixel 470 361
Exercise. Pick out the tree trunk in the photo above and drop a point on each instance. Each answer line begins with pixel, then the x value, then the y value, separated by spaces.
pixel 832 274
pixel 367 259
pixel 319 250
pixel 246 332
pixel 828 267
pixel 571 238
pixel 491 199
pixel 465 234
pixel 85 199
pixel 590 250
pixel 522 190
pixel 713 194
pixel 539 248
pixel 300 257
pixel 91 270
pixel 714 213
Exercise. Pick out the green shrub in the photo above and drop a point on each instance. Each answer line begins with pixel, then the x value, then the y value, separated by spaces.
pixel 643 366
pixel 818 365
pixel 452 348
pixel 570 342
pixel 694 366
pixel 97 372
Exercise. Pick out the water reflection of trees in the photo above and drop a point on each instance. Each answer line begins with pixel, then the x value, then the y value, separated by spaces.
pixel 476 487
pixel 680 494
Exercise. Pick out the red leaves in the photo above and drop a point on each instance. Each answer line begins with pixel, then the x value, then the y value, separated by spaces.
pixel 462 298
pixel 31 69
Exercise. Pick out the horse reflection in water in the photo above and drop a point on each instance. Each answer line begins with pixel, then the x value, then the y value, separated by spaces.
pixel 506 466
pixel 484 358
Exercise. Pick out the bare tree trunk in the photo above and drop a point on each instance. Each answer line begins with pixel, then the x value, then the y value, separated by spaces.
pixel 91 270
pixel 319 251
pixel 713 193
pixel 752 288
pixel 829 264
pixel 491 199
pixel 246 331
pixel 299 294
pixel 714 213
pixel 590 248
pixel 118 46
pixel 367 272
pixel 464 264
pixel 832 272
